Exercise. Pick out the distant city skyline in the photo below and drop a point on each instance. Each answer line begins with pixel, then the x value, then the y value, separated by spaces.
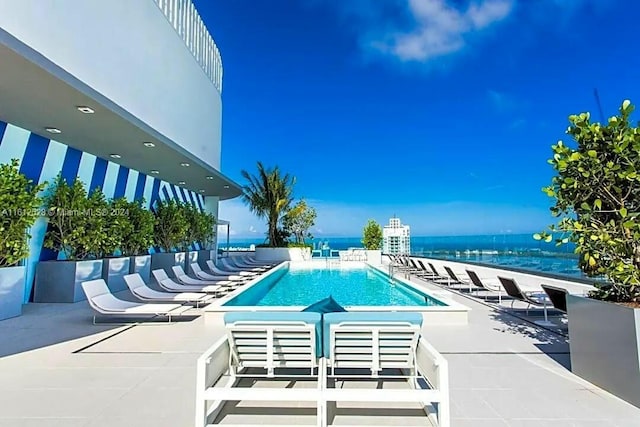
pixel 439 111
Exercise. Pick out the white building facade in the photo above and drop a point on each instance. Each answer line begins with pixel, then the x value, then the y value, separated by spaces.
pixel 396 238
pixel 125 95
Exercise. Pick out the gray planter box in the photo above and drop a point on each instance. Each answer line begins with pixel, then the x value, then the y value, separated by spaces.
pixel 604 340
pixel 166 260
pixel 60 281
pixel 11 291
pixel 204 255
pixel 192 256
pixel 141 264
pixel 113 272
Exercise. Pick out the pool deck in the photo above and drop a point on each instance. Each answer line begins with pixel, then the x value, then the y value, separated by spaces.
pixel 58 369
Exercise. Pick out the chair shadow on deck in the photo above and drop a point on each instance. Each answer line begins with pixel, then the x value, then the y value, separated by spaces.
pixel 43 325
pixel 553 343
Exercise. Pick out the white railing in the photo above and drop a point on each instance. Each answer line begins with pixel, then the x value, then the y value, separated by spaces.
pixel 184 18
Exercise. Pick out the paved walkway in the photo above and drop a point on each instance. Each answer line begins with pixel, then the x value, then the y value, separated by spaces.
pixel 58 369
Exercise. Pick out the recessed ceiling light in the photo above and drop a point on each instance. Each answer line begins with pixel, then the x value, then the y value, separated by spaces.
pixel 53 130
pixel 115 156
pixel 226 186
pixel 209 177
pixel 86 110
pixel 149 144
pixel 154 172
pixel 181 183
pixel 184 164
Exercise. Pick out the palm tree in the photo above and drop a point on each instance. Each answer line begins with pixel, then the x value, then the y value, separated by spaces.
pixel 269 196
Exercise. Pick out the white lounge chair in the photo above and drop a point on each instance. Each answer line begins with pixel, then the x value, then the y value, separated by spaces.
pixel 142 291
pixel 215 270
pixel 261 345
pixel 104 302
pixel 245 259
pixel 379 345
pixel 169 285
pixel 228 265
pixel 185 279
pixel 202 275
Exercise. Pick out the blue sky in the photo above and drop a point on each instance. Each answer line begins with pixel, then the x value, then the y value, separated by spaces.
pixel 439 111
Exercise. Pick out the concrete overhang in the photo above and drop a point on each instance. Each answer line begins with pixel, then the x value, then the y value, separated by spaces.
pixel 35 94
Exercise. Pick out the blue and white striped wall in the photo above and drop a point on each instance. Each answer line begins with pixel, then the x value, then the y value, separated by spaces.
pixel 41 160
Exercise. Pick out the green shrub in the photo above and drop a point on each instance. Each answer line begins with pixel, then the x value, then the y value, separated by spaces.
pixel 192 216
pixel 171 226
pixel 19 204
pixel 298 220
pixel 597 197
pixel 205 229
pixel 66 206
pixel 372 235
pixel 138 236
pixel 102 230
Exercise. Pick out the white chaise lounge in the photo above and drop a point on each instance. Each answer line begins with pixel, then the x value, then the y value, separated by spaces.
pixel 213 268
pixel 141 291
pixel 384 345
pixel 202 275
pixel 104 302
pixel 261 345
pixel 185 279
pixel 357 345
pixel 227 265
pixel 169 285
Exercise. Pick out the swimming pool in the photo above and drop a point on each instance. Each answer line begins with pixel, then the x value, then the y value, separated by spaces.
pixel 354 286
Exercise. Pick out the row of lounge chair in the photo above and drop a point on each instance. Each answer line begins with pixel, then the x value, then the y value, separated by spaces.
pixel 551 296
pixel 177 295
pixel 320 351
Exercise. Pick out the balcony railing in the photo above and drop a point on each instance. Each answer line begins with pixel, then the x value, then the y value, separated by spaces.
pixel 184 17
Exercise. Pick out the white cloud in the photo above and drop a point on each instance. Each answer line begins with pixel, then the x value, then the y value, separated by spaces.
pixel 421 31
pixel 438 28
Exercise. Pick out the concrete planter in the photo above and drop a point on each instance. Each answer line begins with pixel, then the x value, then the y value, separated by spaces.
pixel 191 257
pixel 604 340
pixel 60 281
pixel 11 291
pixel 283 254
pixel 141 264
pixel 166 260
pixel 203 256
pixel 374 257
pixel 113 272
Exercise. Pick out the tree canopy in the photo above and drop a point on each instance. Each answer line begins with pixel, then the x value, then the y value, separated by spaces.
pixel 597 198
pixel 299 219
pixel 372 235
pixel 269 195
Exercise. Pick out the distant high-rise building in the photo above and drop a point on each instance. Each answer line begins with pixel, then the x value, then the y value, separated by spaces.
pixel 396 238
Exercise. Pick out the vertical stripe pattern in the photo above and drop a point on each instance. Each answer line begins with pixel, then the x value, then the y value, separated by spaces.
pixel 35 153
pixel 42 159
pixel 71 164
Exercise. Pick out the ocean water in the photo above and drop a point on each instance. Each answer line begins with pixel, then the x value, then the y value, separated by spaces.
pixel 511 250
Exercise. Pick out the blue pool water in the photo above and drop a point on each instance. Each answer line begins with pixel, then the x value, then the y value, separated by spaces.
pixel 349 287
